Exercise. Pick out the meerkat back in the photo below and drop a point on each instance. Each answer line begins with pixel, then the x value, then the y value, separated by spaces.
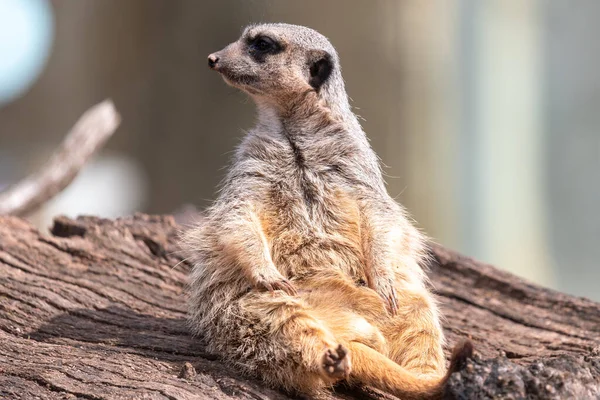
pixel 306 272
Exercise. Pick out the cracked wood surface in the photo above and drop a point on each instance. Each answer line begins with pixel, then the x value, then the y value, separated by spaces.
pixel 96 310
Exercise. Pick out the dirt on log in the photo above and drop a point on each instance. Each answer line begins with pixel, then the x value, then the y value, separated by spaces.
pixel 96 310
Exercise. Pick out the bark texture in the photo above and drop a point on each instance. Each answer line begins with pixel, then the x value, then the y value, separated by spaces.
pixel 96 310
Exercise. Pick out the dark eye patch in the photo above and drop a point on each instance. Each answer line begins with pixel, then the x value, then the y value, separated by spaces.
pixel 261 46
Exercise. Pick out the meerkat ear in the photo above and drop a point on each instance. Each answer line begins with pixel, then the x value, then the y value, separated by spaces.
pixel 320 69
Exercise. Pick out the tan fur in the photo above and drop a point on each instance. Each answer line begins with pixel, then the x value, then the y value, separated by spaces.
pixel 306 272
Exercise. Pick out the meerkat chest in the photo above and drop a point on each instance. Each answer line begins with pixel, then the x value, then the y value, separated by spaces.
pixel 309 213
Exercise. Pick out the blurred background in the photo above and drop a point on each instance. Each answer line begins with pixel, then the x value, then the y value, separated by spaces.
pixel 485 113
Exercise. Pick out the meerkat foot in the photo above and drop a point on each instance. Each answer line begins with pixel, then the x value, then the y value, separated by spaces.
pixel 336 363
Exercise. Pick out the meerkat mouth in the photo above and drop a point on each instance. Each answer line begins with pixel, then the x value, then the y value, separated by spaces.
pixel 237 80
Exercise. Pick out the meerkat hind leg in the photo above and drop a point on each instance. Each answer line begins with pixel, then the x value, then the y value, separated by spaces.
pixel 298 331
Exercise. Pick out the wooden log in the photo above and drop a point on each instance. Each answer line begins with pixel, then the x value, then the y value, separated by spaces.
pixel 96 310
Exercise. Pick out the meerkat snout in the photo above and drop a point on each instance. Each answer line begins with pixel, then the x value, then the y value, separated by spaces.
pixel 213 59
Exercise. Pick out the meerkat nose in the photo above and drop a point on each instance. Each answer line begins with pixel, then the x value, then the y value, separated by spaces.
pixel 212 61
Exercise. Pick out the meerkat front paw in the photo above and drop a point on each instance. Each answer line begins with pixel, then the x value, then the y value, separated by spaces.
pixel 275 283
pixel 336 363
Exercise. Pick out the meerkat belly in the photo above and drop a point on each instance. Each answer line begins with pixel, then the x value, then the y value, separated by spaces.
pixel 298 255
pixel 317 238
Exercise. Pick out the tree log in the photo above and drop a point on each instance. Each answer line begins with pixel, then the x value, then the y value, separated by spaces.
pixel 96 310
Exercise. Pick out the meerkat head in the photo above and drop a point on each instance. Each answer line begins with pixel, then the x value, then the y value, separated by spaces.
pixel 276 62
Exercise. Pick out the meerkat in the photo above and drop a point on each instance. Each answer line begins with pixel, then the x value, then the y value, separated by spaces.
pixel 306 272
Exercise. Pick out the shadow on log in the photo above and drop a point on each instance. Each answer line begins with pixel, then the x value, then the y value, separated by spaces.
pixel 96 310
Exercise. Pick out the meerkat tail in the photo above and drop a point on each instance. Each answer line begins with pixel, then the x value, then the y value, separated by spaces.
pixel 460 354
pixel 371 368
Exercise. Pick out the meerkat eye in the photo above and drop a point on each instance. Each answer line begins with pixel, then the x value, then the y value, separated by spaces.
pixel 261 47
pixel 264 45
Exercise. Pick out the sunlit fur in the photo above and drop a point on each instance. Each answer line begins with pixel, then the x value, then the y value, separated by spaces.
pixel 304 203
